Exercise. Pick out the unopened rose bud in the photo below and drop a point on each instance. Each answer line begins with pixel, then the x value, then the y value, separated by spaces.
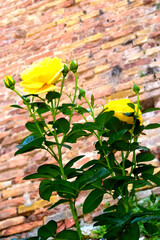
pixel 136 88
pixel 73 66
pixel 65 70
pixel 9 82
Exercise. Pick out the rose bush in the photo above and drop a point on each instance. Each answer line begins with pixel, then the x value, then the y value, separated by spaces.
pixel 121 165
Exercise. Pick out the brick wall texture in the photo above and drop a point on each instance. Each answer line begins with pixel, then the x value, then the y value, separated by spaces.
pixel 116 42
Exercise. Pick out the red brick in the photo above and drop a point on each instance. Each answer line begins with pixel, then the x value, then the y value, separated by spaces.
pixel 8 213
pixel 139 62
pixel 11 222
pixel 16 163
pixel 60 227
pixel 10 174
pixel 14 202
pixel 69 222
pixel 21 228
pixel 20 190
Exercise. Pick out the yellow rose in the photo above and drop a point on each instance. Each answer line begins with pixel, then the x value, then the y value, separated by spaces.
pixel 120 107
pixel 40 77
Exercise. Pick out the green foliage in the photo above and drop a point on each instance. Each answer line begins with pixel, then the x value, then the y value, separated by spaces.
pixel 118 175
pixel 30 143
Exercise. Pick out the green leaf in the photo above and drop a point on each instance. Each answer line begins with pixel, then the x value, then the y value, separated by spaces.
pixel 46 189
pixel 131 232
pixel 151 228
pixel 113 124
pixel 65 108
pixel 111 208
pixel 115 182
pixel 92 100
pixel 42 108
pixel 152 178
pixel 117 135
pixel 58 203
pixel 99 174
pixel 93 200
pixel 90 163
pixel 89 126
pixel 52 95
pixel 81 93
pixel 138 129
pixel 153 198
pixel 143 168
pixel 74 135
pixel 47 230
pixel 37 175
pixel 81 110
pixel 49 143
pixel 141 183
pixel 135 145
pixel 145 219
pixel 62 125
pixel 66 189
pixel 152 126
pixel 128 164
pixel 67 235
pixel 32 126
pixel 151 109
pixel 29 143
pixel 72 161
pixel 120 145
pixel 103 118
pixel 131 105
pixel 129 114
pixel 49 169
pixel 144 157
pixel 16 106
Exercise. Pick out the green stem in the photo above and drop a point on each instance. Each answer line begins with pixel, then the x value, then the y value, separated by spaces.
pixel 74 98
pixel 98 135
pixel 60 91
pixel 17 93
pixel 75 216
pixel 123 163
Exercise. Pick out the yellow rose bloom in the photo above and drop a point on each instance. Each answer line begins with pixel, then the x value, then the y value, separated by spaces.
pixel 120 107
pixel 40 77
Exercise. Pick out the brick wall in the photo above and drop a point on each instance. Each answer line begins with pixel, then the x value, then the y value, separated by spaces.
pixel 116 42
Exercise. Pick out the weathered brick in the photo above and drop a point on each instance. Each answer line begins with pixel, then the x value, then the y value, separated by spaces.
pixel 14 202
pixel 21 228
pixel 11 222
pixel 102 68
pixel 19 162
pixel 140 41
pixel 118 41
pixel 10 174
pixel 6 184
pixel 152 51
pixel 8 213
pixel 21 189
